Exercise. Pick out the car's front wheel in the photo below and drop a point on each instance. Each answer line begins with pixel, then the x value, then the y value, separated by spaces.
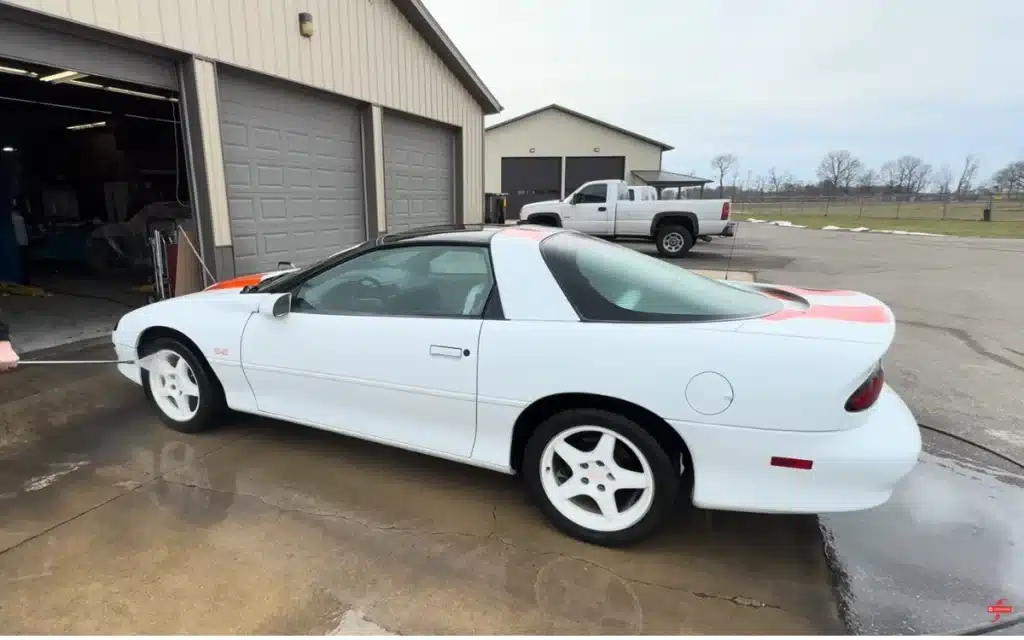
pixel 179 387
pixel 600 477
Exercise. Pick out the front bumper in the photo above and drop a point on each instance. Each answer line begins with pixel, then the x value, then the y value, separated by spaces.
pixel 853 470
pixel 131 371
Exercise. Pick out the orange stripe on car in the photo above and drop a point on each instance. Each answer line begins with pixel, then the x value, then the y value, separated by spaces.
pixel 864 315
pixel 237 283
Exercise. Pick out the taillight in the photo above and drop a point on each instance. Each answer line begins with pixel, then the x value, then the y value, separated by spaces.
pixel 726 208
pixel 867 393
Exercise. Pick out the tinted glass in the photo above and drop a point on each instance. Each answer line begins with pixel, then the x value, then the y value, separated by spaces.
pixel 434 281
pixel 608 282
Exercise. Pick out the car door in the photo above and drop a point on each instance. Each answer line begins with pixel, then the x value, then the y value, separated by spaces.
pixel 382 345
pixel 590 211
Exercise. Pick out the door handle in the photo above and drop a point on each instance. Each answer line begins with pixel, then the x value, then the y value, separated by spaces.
pixel 602 208
pixel 445 352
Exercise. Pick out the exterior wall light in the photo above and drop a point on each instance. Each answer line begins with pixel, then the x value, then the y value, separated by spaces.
pixel 306 25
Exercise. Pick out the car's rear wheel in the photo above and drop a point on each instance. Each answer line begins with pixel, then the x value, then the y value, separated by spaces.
pixel 673 241
pixel 179 387
pixel 600 477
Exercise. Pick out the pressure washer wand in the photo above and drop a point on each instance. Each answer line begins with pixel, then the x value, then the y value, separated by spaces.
pixel 145 362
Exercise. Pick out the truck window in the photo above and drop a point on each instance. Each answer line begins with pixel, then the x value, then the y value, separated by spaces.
pixel 632 194
pixel 594 194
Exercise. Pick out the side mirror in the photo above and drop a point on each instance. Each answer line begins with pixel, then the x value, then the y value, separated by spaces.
pixel 276 305
pixel 284 264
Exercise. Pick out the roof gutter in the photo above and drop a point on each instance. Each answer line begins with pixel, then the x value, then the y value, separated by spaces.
pixel 418 15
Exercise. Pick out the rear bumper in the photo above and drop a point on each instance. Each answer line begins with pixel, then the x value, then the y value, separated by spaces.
pixel 853 470
pixel 730 230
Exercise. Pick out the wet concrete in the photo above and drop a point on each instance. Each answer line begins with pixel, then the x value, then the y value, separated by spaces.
pixel 114 524
pixel 947 545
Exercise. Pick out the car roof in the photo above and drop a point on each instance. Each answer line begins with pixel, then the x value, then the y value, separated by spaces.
pixel 469 234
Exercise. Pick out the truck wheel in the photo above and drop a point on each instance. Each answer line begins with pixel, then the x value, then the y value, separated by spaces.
pixel 673 241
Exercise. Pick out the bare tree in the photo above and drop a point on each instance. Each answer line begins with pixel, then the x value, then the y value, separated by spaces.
pixel 889 176
pixel 970 170
pixel 760 184
pixel 1010 179
pixel 722 164
pixel 909 173
pixel 775 180
pixel 838 169
pixel 944 180
pixel 867 179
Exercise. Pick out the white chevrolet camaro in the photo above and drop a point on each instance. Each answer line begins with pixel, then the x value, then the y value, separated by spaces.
pixel 610 380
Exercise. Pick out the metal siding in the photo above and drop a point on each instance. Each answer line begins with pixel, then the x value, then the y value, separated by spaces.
pixel 293 169
pixel 553 133
pixel 364 50
pixel 419 169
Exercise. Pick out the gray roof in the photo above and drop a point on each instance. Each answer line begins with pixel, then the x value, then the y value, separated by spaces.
pixel 581 116
pixel 416 13
pixel 655 177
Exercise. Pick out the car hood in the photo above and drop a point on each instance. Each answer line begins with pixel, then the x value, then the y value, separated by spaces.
pixel 849 316
pixel 542 203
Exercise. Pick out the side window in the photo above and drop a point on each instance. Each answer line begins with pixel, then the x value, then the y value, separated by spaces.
pixel 632 194
pixel 426 281
pixel 594 193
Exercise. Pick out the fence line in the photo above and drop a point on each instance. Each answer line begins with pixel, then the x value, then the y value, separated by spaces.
pixel 927 207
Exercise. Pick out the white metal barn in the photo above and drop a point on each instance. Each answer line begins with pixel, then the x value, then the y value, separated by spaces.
pixel 547 153
pixel 307 126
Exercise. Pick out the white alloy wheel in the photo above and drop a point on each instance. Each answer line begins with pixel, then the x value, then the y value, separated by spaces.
pixel 673 242
pixel 597 478
pixel 174 387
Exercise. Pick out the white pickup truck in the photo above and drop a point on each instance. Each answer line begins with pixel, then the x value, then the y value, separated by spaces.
pixel 602 208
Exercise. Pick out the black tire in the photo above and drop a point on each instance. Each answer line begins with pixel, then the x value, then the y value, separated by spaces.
pixel 211 403
pixel 664 467
pixel 679 240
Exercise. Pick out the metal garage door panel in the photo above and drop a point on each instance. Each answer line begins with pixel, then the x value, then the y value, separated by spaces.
pixel 419 173
pixel 530 179
pixel 294 173
pixel 64 51
pixel 581 169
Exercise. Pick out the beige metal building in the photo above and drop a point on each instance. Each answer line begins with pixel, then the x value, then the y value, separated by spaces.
pixel 547 153
pixel 308 125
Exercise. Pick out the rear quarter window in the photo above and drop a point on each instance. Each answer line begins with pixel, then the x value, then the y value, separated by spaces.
pixel 606 282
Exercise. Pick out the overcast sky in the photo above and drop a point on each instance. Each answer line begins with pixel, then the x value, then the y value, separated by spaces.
pixel 776 82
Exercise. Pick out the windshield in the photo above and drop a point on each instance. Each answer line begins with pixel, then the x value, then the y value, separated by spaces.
pixel 283 282
pixel 611 283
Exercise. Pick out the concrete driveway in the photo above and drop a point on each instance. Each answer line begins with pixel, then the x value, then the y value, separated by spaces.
pixel 111 523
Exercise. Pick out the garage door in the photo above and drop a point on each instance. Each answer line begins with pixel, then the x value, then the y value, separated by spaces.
pixel 527 180
pixel 65 51
pixel 419 174
pixel 579 170
pixel 294 172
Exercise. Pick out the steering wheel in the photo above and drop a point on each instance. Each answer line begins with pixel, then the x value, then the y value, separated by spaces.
pixel 372 283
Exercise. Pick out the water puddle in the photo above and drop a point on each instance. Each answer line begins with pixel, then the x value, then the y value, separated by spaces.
pixel 947 545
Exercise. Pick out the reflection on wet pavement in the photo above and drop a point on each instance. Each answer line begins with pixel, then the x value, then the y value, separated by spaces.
pixel 118 525
pixel 948 544
pixel 123 526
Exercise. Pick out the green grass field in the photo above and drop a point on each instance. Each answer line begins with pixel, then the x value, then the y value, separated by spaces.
pixel 975 228
pixel 1003 211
